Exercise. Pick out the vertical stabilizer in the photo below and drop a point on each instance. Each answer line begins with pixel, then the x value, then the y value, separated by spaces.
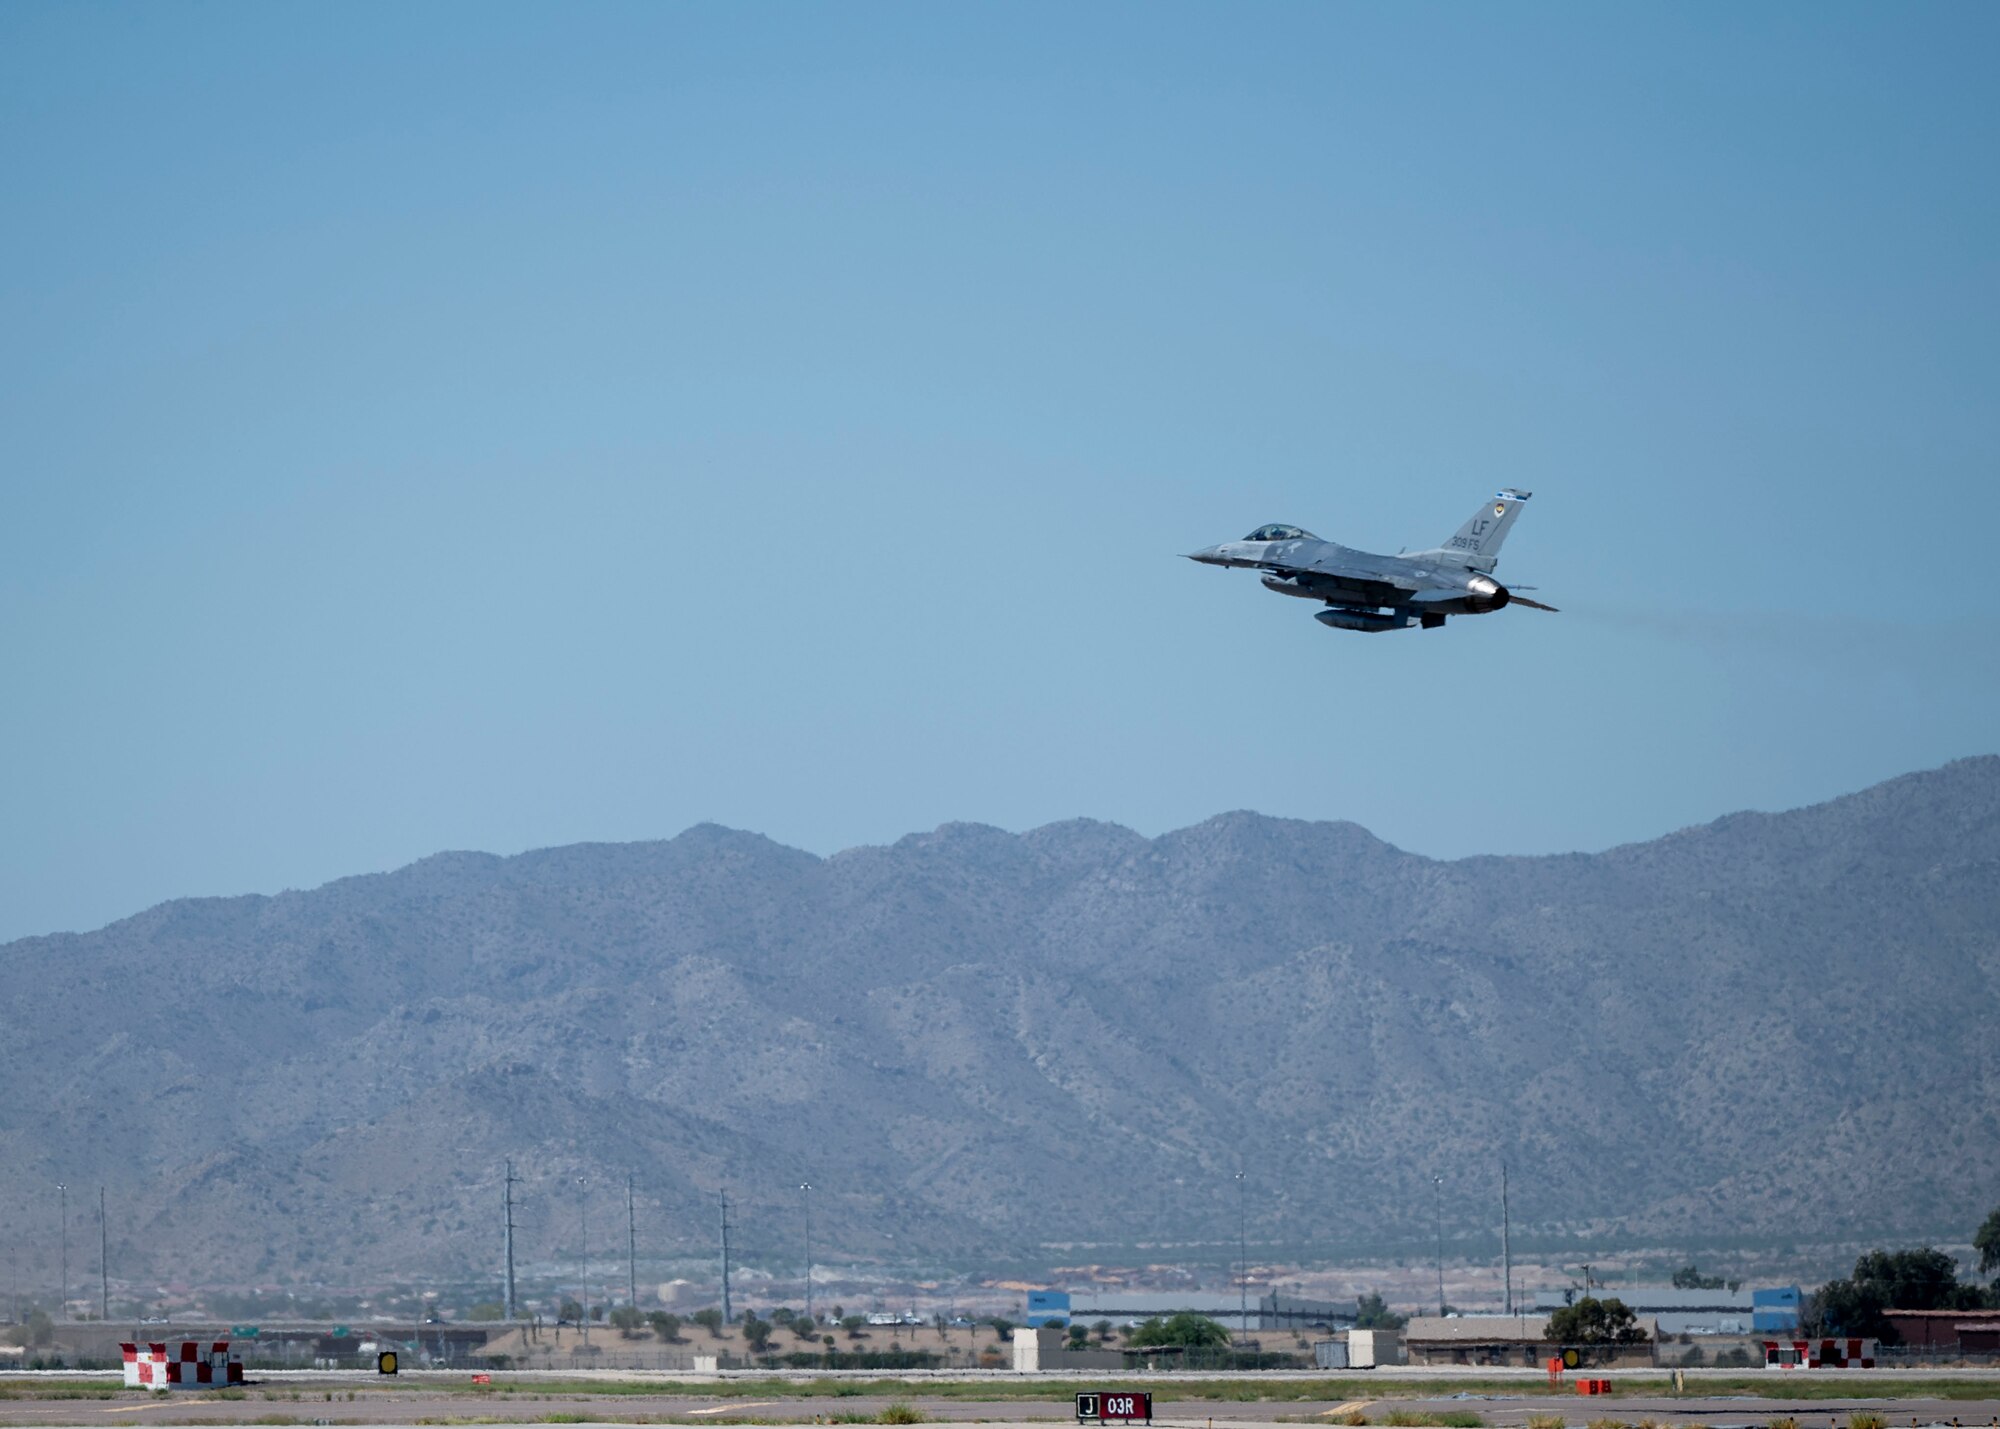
pixel 1477 544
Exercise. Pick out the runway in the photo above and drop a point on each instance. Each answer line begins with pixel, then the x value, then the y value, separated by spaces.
pixel 1901 1400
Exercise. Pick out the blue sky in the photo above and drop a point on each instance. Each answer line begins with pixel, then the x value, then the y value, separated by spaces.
pixel 492 426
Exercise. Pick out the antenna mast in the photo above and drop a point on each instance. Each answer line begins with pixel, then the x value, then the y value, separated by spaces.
pixel 631 1247
pixel 1506 1242
pixel 103 1262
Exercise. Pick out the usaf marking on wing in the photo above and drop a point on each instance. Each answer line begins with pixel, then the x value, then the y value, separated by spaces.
pixel 1364 591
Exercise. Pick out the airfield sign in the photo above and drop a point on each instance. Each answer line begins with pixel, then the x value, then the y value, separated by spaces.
pixel 1098 1407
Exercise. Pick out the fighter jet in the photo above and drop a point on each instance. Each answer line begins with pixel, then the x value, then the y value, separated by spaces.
pixel 1364 591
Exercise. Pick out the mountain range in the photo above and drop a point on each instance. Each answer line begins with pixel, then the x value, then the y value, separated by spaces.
pixel 981 1046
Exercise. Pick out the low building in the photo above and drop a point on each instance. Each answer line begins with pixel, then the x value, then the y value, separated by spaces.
pixel 1367 1349
pixel 195 1365
pixel 1047 1305
pixel 1475 1339
pixel 1775 1310
pixel 1042 1350
pixel 1359 1349
pixel 1505 1340
pixel 1952 1331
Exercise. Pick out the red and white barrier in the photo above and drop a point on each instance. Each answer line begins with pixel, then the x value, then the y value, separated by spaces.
pixel 148 1367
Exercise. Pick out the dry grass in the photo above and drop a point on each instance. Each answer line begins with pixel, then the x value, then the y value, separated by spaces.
pixel 61 1389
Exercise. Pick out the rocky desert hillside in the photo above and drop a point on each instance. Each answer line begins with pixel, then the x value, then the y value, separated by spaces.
pixel 978 1044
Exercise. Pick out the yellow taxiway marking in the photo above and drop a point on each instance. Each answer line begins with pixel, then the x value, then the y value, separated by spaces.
pixel 726 1408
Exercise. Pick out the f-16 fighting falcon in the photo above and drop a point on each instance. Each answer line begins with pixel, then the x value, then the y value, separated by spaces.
pixel 1364 591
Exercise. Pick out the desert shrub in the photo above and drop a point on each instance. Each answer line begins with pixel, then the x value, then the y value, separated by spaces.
pixel 899 1413
pixel 666 1327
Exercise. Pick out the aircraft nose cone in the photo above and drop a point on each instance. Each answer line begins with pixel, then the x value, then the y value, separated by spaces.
pixel 1207 555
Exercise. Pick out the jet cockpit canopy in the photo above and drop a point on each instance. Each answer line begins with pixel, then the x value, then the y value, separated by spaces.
pixel 1280 533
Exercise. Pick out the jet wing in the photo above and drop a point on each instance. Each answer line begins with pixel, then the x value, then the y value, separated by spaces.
pixel 1380 587
pixel 1334 570
pixel 1337 586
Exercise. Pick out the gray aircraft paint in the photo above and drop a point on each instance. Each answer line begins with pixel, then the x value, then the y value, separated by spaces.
pixel 1365 591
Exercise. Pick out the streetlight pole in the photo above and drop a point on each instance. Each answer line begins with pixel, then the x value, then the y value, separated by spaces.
pixel 1437 1188
pixel 631 1246
pixel 726 1311
pixel 583 1222
pixel 1243 1253
pixel 62 1203
pixel 806 1187
pixel 507 1206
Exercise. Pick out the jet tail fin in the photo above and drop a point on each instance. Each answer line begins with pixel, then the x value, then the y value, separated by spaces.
pixel 1477 544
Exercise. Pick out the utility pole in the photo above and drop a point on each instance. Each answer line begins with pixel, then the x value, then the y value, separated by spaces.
pixel 583 1220
pixel 631 1247
pixel 1243 1253
pixel 507 1205
pixel 1437 1188
pixel 806 1186
pixel 727 1317
pixel 62 1203
pixel 1506 1243
pixel 103 1262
